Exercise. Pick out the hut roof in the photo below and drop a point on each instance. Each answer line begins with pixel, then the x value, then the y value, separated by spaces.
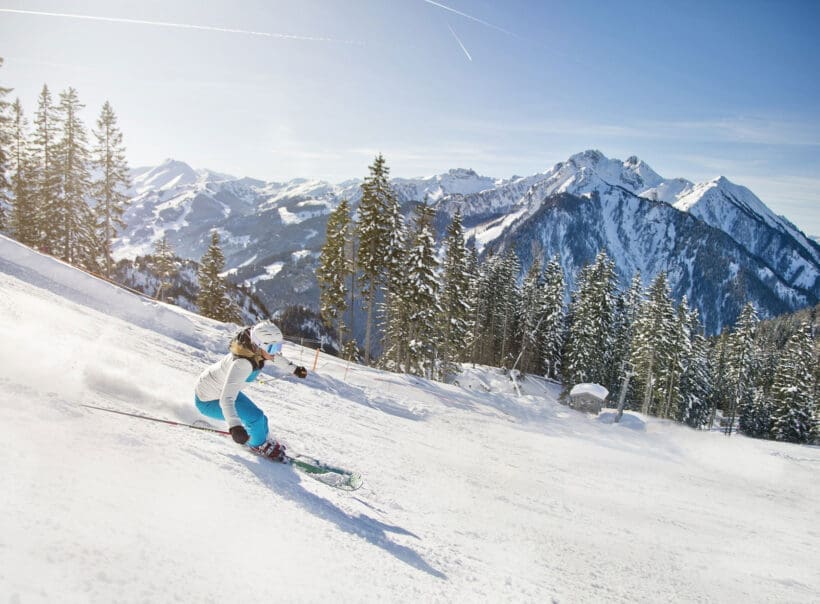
pixel 595 390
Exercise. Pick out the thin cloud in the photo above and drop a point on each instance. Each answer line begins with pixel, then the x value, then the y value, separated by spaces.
pixel 470 17
pixel 227 30
pixel 460 43
pixel 748 131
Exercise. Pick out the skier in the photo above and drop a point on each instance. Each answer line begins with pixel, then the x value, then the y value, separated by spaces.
pixel 218 390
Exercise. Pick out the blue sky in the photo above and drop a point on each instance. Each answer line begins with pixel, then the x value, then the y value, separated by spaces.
pixel 315 88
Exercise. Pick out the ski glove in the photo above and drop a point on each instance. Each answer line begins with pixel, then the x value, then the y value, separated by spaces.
pixel 239 434
pixel 300 372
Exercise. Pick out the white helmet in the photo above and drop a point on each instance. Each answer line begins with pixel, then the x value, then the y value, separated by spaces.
pixel 267 336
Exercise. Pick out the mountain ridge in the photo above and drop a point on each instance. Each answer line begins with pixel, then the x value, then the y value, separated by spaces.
pixel 270 226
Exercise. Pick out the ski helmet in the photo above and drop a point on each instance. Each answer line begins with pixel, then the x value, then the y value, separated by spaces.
pixel 267 336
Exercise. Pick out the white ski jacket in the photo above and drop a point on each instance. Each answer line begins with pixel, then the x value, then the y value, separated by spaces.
pixel 223 380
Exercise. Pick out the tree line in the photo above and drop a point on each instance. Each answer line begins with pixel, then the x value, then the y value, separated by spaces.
pixel 430 308
pixel 65 193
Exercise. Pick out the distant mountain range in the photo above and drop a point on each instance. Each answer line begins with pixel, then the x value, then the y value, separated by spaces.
pixel 719 243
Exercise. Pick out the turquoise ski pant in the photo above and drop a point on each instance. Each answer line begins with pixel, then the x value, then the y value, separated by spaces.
pixel 252 417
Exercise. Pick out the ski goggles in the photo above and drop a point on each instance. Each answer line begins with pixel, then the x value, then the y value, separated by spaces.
pixel 274 348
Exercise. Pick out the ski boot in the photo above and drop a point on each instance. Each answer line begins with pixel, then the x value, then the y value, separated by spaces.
pixel 273 450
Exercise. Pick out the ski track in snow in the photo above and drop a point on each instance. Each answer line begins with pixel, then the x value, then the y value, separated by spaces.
pixel 471 494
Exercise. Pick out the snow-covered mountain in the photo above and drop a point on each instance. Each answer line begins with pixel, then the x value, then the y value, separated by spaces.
pixel 738 212
pixel 472 493
pixel 730 249
pixel 720 245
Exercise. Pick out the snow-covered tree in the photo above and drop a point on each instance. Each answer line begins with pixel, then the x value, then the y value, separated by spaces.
pixel 694 381
pixel 212 300
pixel 496 295
pixel 530 313
pixel 494 325
pixel 23 221
pixel 455 298
pixel 590 335
pixel 395 312
pixel 334 268
pixel 422 290
pixel 552 330
pixel 165 266
pixel 5 152
pixel 651 344
pixel 74 223
pixel 478 297
pixel 794 390
pixel 376 231
pixel 479 320
pixel 741 362
pixel 720 391
pixel 755 418
pixel 109 191
pixel 46 166
pixel 395 282
pixel 678 357
pixel 627 306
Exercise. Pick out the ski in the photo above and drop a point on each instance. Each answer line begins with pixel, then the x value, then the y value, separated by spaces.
pixel 338 478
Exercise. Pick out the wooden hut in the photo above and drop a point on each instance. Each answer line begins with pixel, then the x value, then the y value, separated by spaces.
pixel 588 397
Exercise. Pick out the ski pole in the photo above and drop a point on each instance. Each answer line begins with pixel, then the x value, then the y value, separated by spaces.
pixel 157 419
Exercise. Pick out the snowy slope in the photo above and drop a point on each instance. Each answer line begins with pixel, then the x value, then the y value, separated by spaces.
pixel 472 493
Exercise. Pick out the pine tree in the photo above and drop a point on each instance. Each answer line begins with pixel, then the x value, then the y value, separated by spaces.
pixel 480 291
pixel 627 306
pixel 756 416
pixel 793 393
pixel 46 165
pixel 75 231
pixel 24 210
pixel 395 282
pixel 5 152
pixel 678 357
pixel 589 341
pixel 496 292
pixel 478 297
pixel 334 269
pixel 423 290
pixel 376 232
pixel 651 344
pixel 741 362
pixel 165 266
pixel 395 322
pixel 528 320
pixel 213 300
pixel 502 295
pixel 719 393
pixel 109 161
pixel 694 382
pixel 552 331
pixel 455 298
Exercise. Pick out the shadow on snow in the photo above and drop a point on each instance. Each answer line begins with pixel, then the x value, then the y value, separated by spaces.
pixel 370 529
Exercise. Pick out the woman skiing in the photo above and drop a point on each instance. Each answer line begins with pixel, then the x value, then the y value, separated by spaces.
pixel 218 390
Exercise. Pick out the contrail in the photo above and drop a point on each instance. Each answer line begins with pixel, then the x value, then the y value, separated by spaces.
pixel 180 26
pixel 460 43
pixel 470 17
